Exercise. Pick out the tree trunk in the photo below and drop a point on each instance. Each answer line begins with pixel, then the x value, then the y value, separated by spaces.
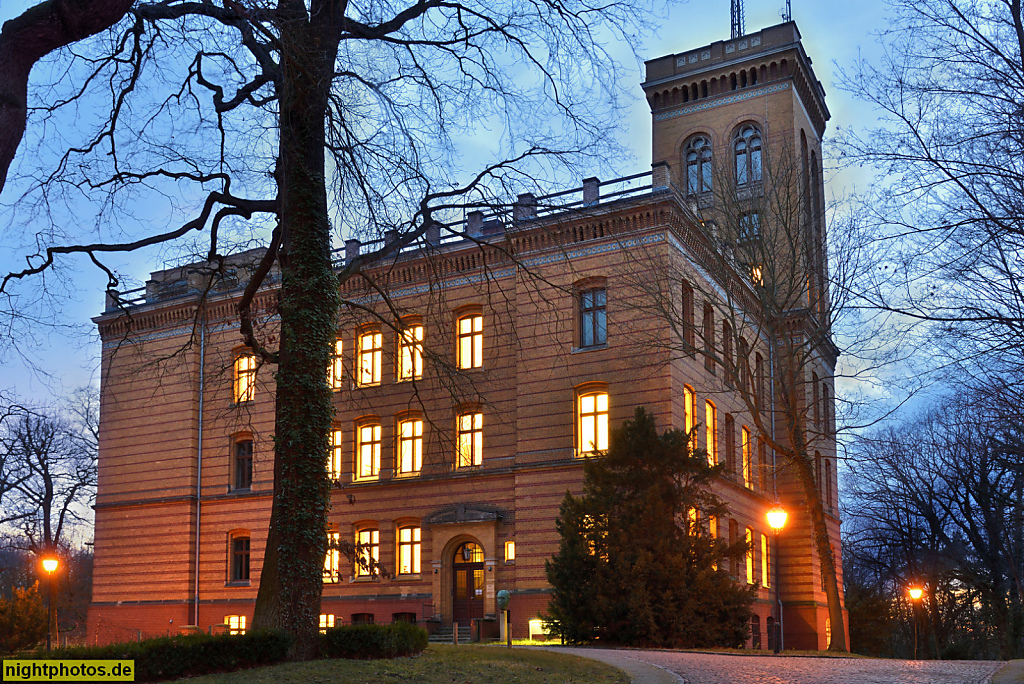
pixel 308 312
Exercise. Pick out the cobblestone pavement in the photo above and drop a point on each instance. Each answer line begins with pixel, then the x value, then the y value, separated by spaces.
pixel 707 668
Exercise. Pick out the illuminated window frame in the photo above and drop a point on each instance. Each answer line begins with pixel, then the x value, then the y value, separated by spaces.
pixel 244 376
pixel 371 354
pixel 326 622
pixel 410 353
pixel 334 463
pixel 336 371
pixel 469 444
pixel 592 422
pixel 711 432
pixel 235 623
pixel 766 576
pixel 367 548
pixel 749 536
pixel 690 414
pixel 469 346
pixel 332 559
pixel 510 551
pixel 410 446
pixel 368 443
pixel 748 479
pixel 409 549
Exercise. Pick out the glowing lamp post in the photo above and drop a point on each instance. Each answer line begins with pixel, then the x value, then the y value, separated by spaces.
pixel 777 520
pixel 50 565
pixel 915 596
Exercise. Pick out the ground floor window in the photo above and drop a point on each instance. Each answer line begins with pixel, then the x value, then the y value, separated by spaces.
pixel 235 623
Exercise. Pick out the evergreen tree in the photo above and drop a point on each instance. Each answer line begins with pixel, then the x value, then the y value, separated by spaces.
pixel 637 563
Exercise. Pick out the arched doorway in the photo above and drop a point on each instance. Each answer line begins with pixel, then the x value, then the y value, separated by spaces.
pixel 467 582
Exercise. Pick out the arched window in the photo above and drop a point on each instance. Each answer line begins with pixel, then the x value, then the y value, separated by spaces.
pixel 747 146
pixel 698 165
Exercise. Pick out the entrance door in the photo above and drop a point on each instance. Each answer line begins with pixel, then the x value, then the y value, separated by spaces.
pixel 467 583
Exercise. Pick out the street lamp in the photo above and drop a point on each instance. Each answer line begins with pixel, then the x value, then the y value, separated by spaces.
pixel 777 520
pixel 50 565
pixel 915 596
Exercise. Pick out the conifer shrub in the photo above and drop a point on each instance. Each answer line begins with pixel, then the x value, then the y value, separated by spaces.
pixel 22 619
pixel 372 642
pixel 637 563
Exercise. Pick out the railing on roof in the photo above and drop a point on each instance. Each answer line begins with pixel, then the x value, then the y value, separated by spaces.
pixel 477 224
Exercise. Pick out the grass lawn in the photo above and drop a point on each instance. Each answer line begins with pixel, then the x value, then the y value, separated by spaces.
pixel 439 664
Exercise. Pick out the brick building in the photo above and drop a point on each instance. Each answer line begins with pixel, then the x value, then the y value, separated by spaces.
pixel 521 337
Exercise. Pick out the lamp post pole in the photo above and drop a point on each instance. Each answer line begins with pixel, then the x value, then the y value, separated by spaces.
pixel 50 565
pixel 915 596
pixel 777 520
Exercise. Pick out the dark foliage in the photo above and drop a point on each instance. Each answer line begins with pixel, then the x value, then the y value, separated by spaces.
pixel 186 656
pixel 633 566
pixel 371 642
pixel 22 619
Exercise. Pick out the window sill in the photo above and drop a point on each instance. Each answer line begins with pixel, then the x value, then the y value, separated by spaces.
pixel 240 490
pixel 363 385
pixel 407 476
pixel 369 478
pixel 593 347
pixel 238 583
pixel 410 577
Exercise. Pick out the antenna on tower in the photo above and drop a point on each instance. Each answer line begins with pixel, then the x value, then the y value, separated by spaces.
pixel 737 18
pixel 787 14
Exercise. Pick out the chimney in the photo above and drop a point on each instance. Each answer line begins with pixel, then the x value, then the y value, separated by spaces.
pixel 591 191
pixel 475 223
pixel 525 207
pixel 351 250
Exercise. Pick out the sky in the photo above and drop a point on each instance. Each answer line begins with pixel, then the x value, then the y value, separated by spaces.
pixel 55 362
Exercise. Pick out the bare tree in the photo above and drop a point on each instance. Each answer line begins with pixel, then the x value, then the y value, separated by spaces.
pixel 948 200
pixel 304 116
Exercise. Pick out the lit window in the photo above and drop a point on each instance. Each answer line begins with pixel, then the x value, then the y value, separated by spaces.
pixel 368 451
pixel 593 322
pixel 370 353
pixel 332 559
pixel 243 464
pixel 698 165
pixel 711 432
pixel 367 552
pixel 410 353
pixel 470 439
pixel 757 276
pixel 326 622
pixel 334 465
pixel 510 551
pixel 750 555
pixel 471 341
pixel 747 147
pixel 336 371
pixel 713 532
pixel 593 423
pixel 748 479
pixel 409 551
pixel 235 623
pixel 240 559
pixel 245 378
pixel 689 415
pixel 766 581
pixel 410 447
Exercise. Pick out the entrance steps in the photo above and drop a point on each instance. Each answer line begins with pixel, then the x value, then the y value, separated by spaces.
pixel 445 635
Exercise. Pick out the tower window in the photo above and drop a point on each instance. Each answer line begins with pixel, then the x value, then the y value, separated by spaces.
pixel 698 165
pixel 747 146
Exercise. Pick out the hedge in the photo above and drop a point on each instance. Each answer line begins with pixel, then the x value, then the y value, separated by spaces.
pixel 186 656
pixel 373 641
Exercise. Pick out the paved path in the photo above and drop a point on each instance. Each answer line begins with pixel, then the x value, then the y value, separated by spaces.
pixel 667 667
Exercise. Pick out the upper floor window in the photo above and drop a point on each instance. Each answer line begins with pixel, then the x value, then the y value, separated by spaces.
pixel 593 323
pixel 409 551
pixel 368 451
pixel 336 371
pixel 240 559
pixel 371 350
pixel 689 335
pixel 690 415
pixel 410 353
pixel 747 146
pixel 334 462
pixel 245 378
pixel 711 432
pixel 593 423
pixel 470 427
pixel 748 472
pixel 471 341
pixel 766 579
pixel 750 229
pixel 709 337
pixel 332 559
pixel 750 555
pixel 243 464
pixel 367 551
pixel 698 165
pixel 410 446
